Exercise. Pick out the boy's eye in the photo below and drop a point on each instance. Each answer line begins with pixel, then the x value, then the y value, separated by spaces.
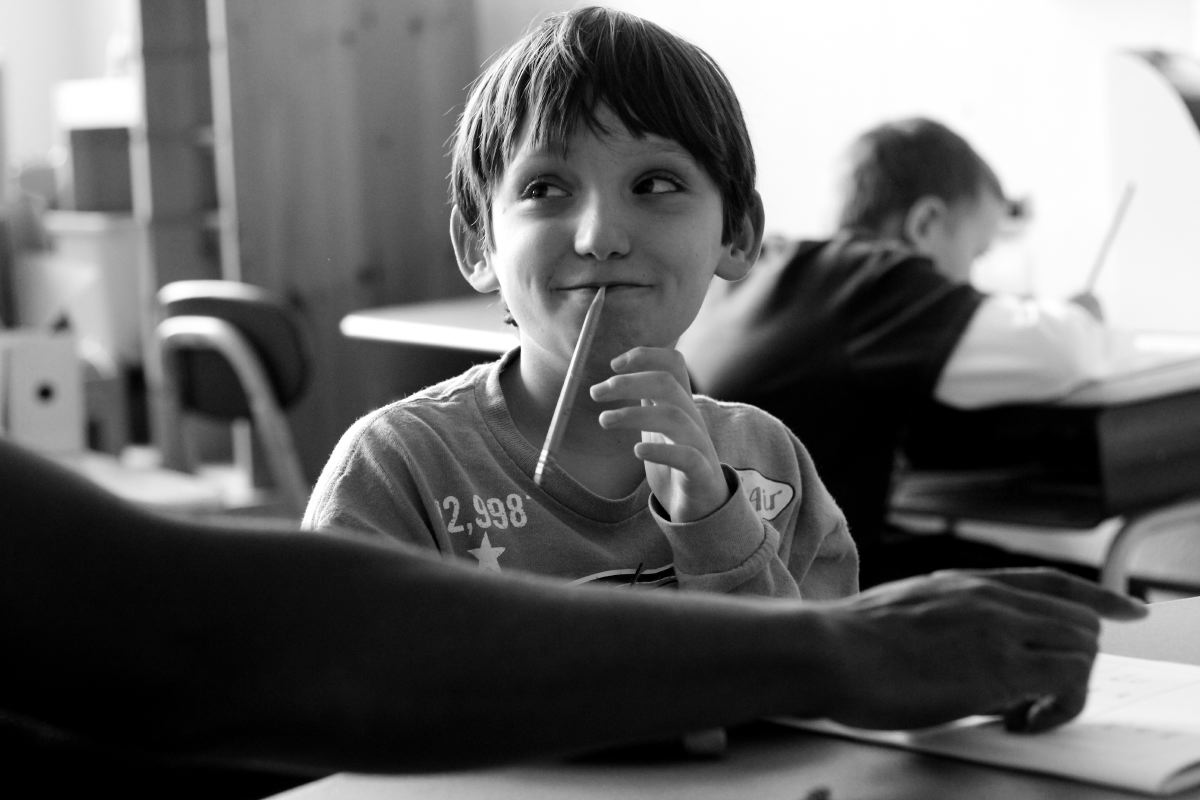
pixel 540 189
pixel 657 184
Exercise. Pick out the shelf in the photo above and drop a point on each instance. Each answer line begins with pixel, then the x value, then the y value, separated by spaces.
pixel 97 103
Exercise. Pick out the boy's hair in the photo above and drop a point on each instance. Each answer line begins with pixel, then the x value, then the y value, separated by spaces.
pixel 895 164
pixel 560 73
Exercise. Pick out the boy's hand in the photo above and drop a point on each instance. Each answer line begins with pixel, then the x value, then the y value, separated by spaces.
pixel 681 462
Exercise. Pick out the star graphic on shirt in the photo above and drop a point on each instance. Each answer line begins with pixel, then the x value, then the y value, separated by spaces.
pixel 488 556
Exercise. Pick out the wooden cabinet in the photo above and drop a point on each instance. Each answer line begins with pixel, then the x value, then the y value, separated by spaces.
pixel 301 145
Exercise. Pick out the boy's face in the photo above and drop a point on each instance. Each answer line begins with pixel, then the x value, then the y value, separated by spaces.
pixel 639 216
pixel 966 232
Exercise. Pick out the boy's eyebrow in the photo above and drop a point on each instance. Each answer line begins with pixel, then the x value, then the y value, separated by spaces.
pixel 558 152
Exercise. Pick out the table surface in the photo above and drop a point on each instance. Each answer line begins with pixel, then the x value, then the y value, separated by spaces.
pixel 475 323
pixel 1147 364
pixel 765 762
pixel 143 483
pixel 1144 365
pixel 1152 365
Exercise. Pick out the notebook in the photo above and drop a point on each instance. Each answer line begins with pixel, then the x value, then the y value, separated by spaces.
pixel 1140 731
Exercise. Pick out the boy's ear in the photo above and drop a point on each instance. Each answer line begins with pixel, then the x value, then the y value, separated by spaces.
pixel 471 255
pixel 923 219
pixel 747 242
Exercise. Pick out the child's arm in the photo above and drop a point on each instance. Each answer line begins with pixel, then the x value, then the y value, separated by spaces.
pixel 722 542
pixel 682 466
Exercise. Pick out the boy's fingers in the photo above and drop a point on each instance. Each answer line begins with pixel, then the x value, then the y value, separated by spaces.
pixel 657 385
pixel 642 359
pixel 665 420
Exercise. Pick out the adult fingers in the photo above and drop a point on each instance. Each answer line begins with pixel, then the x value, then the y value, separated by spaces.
pixel 981 591
pixel 1059 700
pixel 687 460
pixel 1054 583
pixel 1049 634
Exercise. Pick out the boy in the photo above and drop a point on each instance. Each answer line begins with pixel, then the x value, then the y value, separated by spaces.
pixel 847 340
pixel 599 151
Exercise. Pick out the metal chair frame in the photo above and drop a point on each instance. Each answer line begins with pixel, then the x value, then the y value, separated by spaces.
pixel 187 332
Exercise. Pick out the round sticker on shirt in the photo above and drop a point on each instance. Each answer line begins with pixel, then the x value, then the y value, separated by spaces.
pixel 768 497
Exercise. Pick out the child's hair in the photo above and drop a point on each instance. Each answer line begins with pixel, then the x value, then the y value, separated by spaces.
pixel 560 73
pixel 893 165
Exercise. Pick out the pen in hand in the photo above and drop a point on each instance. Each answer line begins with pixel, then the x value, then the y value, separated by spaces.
pixel 1110 236
pixel 562 410
pixel 708 742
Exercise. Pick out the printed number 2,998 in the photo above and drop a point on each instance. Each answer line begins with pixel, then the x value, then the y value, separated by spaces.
pixel 491 512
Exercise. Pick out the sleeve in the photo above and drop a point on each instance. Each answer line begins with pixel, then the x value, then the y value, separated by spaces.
pixel 902 320
pixel 821 551
pixel 738 550
pixel 367 485
pixel 731 551
pixel 1018 349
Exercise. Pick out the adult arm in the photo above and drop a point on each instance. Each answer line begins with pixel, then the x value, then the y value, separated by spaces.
pixel 261 647
pixel 1028 623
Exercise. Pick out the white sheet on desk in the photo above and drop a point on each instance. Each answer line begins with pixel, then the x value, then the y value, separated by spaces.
pixel 1140 730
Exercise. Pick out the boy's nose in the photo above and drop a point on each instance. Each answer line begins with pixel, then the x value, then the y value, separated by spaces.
pixel 601 231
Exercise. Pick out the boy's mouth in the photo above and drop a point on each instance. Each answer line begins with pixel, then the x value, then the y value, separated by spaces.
pixel 609 287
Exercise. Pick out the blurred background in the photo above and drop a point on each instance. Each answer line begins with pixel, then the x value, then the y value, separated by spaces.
pixel 300 145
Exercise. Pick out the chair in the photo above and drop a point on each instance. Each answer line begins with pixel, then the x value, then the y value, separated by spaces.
pixel 1009 508
pixel 1180 520
pixel 234 353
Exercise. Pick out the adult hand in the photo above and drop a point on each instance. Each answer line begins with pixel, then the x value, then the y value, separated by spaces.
pixel 681 462
pixel 929 650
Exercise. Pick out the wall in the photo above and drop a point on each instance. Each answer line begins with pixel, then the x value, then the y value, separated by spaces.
pixel 1025 80
pixel 340 110
pixel 339 114
pixel 345 106
pixel 42 43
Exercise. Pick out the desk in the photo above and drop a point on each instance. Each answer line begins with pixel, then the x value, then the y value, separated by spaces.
pixel 769 763
pixel 1126 447
pixel 147 485
pixel 1138 431
pixel 463 323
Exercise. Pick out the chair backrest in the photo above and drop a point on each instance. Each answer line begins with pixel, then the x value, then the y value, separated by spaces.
pixel 234 351
pixel 208 383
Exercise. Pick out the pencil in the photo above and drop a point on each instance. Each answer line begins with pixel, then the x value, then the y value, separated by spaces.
pixel 1109 236
pixel 562 411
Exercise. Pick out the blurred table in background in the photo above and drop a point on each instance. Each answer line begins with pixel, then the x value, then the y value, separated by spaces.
pixel 474 323
pixel 1119 455
pixel 137 478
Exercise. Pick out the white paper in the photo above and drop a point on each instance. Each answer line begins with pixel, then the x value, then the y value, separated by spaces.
pixel 1140 730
